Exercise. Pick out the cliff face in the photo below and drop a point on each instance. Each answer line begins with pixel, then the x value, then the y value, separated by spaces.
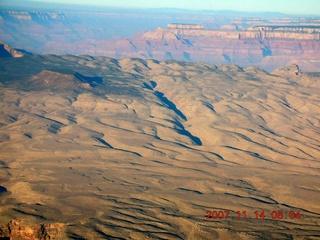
pixel 265 47
pixel 32 15
pixel 257 45
pixel 185 26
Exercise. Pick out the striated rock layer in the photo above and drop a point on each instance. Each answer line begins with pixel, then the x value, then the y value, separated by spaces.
pixel 268 47
pixel 266 43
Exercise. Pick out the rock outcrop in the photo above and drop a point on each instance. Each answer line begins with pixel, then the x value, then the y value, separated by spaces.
pixel 292 70
pixel 18 230
pixel 7 51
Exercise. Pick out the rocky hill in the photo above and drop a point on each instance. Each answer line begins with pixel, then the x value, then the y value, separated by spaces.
pixel 60 79
pixel 7 51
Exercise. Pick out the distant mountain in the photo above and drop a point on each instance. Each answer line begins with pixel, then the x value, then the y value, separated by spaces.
pixel 266 44
pixel 266 41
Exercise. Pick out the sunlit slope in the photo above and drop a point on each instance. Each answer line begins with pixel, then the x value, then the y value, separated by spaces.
pixel 146 151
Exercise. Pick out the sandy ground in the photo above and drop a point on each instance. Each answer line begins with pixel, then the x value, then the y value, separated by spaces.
pixel 198 138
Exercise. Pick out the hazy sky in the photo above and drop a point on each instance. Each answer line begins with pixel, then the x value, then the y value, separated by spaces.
pixel 284 6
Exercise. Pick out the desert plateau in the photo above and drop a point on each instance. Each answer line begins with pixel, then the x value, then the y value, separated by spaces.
pixel 141 149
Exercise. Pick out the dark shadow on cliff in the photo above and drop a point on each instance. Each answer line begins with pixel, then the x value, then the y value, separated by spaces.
pixel 170 104
pixel 2 190
pixel 4 53
pixel 181 130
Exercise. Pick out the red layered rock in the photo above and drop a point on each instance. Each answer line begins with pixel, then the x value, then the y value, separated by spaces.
pixel 266 47
pixel 254 46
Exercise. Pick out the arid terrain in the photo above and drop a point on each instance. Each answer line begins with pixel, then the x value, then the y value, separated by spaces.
pixel 99 148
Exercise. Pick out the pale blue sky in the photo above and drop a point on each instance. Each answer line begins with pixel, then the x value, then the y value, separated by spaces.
pixel 284 6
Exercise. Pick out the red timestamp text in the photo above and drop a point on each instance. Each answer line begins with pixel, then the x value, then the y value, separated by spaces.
pixel 222 214
pixel 275 214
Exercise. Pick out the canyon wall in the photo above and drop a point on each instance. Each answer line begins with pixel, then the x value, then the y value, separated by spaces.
pixel 264 46
pixel 244 41
pixel 185 26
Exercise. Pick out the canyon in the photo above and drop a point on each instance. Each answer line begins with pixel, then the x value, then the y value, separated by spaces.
pixel 266 43
pixel 265 46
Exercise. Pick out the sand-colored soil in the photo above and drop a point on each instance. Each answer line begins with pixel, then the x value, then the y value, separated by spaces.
pixel 196 137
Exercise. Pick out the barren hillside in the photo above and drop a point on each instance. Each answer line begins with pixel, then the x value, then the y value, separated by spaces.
pixel 157 149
